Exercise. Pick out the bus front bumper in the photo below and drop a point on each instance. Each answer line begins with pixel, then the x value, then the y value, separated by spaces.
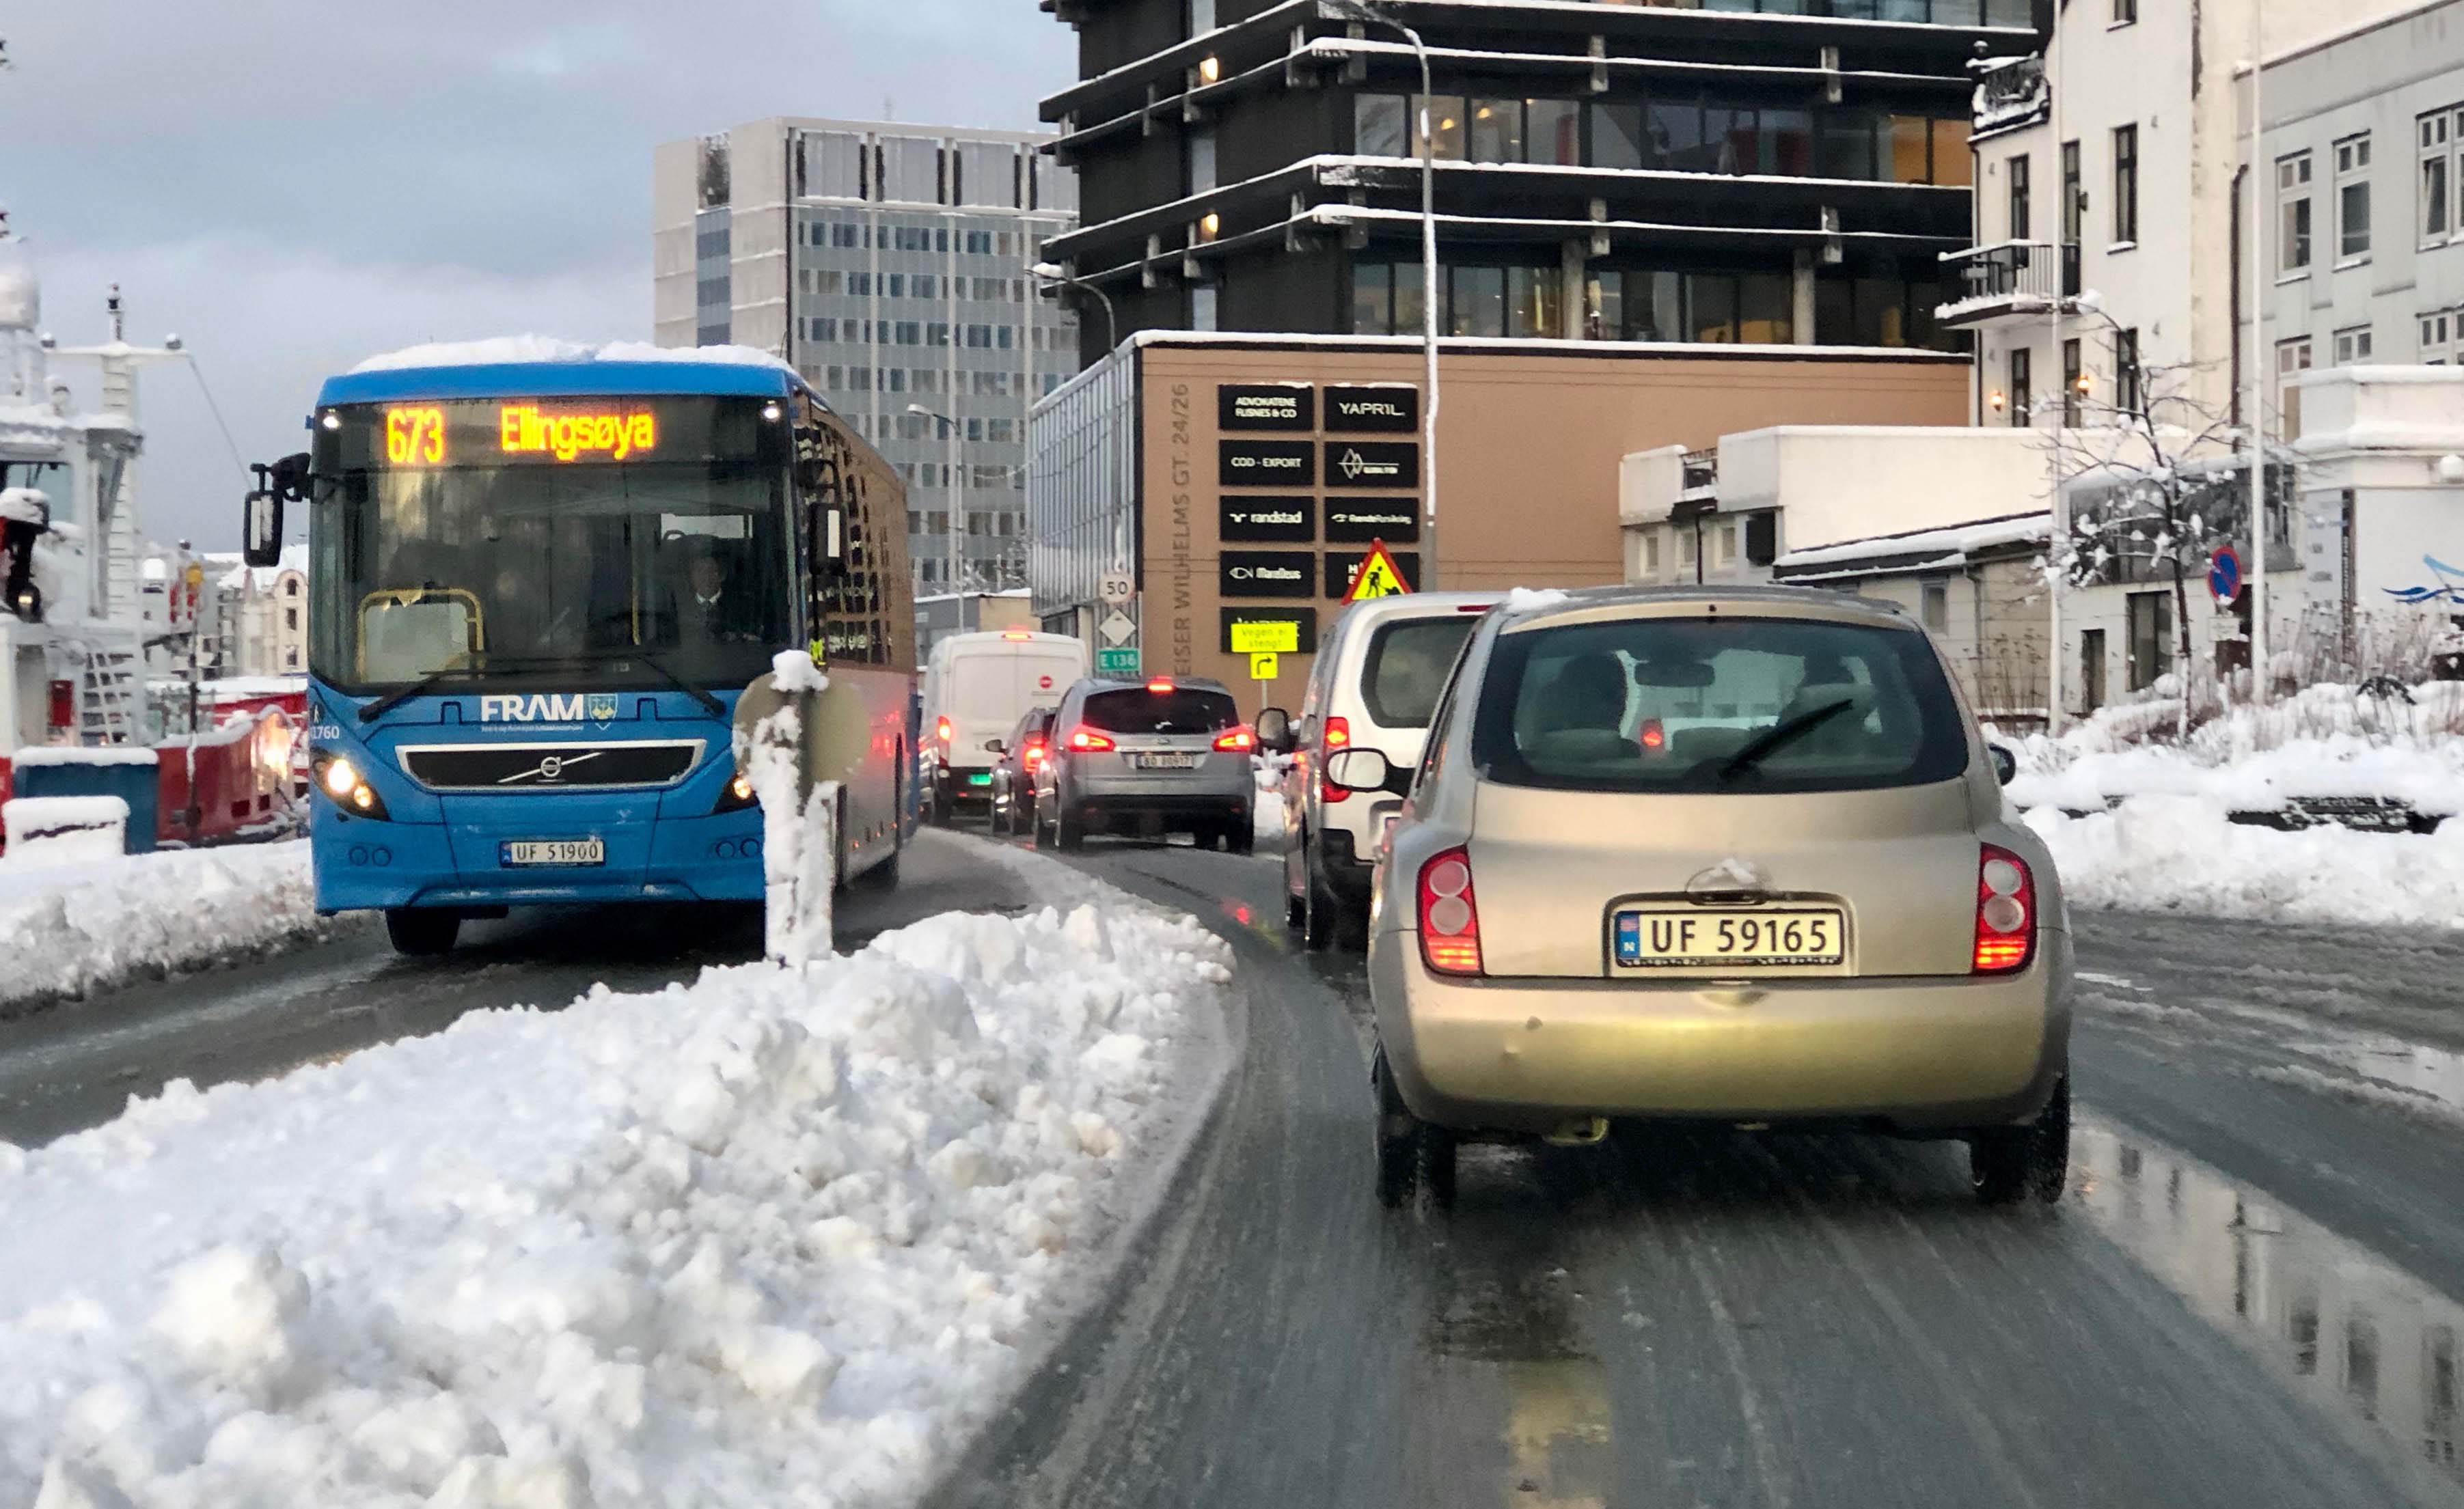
pixel 363 864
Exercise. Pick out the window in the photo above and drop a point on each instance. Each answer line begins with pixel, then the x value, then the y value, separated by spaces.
pixel 2124 11
pixel 2129 389
pixel 1380 125
pixel 2293 213
pixel 2022 357
pixel 2152 638
pixel 2091 670
pixel 291 620
pixel 1532 307
pixel 2292 360
pixel 2352 346
pixel 1934 598
pixel 1476 305
pixel 2352 198
pixel 1445 112
pixel 1372 299
pixel 1552 132
pixel 1496 130
pixel 2071 375
pixel 1650 559
pixel 1406 667
pixel 2074 197
pixel 2438 175
pixel 2018 170
pixel 2437 332
pixel 1201 17
pixel 1618 136
pixel 2126 184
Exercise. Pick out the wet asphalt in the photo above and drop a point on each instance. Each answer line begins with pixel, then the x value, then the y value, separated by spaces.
pixel 2249 1295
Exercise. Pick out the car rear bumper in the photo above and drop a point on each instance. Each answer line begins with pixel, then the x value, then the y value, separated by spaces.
pixel 1915 1054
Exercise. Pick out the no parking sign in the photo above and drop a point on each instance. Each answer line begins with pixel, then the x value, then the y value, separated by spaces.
pixel 2224 574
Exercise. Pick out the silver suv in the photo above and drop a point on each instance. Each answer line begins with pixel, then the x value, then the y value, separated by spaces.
pixel 1734 854
pixel 1148 757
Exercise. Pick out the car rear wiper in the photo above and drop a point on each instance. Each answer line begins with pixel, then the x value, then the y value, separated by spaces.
pixel 1780 733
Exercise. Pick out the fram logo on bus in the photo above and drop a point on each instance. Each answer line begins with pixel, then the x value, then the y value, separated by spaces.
pixel 545 708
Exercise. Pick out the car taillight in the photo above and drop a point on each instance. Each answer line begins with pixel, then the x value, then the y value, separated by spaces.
pixel 2006 912
pixel 1449 917
pixel 1654 735
pixel 1086 738
pixel 1240 741
pixel 1338 735
pixel 941 731
pixel 1034 753
pixel 1160 685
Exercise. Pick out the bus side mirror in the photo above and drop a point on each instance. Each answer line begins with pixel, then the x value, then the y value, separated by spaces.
pixel 261 529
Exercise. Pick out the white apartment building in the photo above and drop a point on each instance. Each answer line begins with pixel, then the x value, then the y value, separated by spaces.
pixel 888 263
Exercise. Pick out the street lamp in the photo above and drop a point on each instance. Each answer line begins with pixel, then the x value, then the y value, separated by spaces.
pixel 950 431
pixel 1052 273
pixel 1364 12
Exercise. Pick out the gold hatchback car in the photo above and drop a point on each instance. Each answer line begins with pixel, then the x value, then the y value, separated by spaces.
pixel 1726 854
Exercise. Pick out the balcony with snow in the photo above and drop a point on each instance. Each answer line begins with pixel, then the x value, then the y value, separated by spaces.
pixel 2007 283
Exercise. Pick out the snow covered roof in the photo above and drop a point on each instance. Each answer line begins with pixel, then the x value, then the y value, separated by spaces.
pixel 241 578
pixel 539 366
pixel 509 350
pixel 1919 550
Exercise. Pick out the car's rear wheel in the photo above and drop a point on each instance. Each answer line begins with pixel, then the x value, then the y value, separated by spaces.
pixel 420 932
pixel 1317 908
pixel 1067 831
pixel 1042 830
pixel 2008 1164
pixel 1242 837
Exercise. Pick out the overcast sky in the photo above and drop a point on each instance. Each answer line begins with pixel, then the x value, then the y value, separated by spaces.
pixel 291 186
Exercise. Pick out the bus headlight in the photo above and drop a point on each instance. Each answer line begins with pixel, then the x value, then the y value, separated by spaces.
pixel 339 781
pixel 735 796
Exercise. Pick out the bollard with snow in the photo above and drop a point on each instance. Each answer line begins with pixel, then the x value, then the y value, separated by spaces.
pixel 792 733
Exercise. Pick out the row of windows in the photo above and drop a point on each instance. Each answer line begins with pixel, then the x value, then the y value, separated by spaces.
pixel 926 170
pixel 937 474
pixel 1637 304
pixel 865 236
pixel 1683 132
pixel 1934 13
pixel 2070 210
pixel 2020 401
pixel 910 285
pixel 2438 181
pixel 2441 134
pixel 925 380
pixel 981 523
pixel 930 333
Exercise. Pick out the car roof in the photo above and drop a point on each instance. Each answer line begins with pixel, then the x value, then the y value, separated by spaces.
pixel 1139 683
pixel 995 638
pixel 1528 609
pixel 1419 604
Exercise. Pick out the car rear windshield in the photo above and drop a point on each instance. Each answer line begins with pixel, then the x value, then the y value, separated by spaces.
pixel 1717 705
pixel 1183 710
pixel 1406 668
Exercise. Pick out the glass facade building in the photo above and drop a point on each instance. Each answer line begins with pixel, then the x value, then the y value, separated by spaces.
pixel 888 263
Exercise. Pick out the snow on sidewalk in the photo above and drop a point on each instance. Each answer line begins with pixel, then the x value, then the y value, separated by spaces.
pixel 69 929
pixel 776 1237
pixel 2181 854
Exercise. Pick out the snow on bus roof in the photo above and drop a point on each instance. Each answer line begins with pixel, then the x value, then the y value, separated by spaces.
pixel 546 366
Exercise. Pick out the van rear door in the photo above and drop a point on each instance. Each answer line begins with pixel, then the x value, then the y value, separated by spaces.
pixel 990 689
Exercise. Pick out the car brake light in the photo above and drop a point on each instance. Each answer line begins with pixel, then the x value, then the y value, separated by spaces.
pixel 1086 738
pixel 1034 753
pixel 1654 735
pixel 1016 634
pixel 1160 685
pixel 1240 741
pixel 2006 912
pixel 1338 735
pixel 941 731
pixel 1449 918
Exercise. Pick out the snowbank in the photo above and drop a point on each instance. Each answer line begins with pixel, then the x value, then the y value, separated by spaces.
pixel 2181 854
pixel 39 756
pixel 780 1235
pixel 70 928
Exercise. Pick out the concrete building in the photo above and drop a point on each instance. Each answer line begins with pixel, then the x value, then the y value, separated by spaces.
pixel 255 619
pixel 1242 480
pixel 888 263
pixel 2382 506
pixel 1777 172
pixel 2365 138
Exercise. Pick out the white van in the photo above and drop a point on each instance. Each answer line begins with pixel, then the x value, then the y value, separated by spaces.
pixel 976 688
pixel 1374 684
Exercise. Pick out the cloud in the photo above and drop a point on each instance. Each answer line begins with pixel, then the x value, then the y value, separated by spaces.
pixel 294 185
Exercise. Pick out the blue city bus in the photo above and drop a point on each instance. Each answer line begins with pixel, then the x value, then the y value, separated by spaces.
pixel 537 591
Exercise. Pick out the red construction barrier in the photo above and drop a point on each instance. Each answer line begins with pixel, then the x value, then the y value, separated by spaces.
pixel 220 786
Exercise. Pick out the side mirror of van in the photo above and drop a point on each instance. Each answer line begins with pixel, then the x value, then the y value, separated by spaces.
pixel 1367 770
pixel 2006 765
pixel 1275 730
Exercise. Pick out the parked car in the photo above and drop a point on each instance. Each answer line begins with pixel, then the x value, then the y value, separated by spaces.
pixel 976 687
pixel 1735 855
pixel 1375 681
pixel 1014 766
pixel 1153 758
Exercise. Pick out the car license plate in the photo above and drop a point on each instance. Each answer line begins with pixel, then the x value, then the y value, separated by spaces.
pixel 1167 762
pixel 981 778
pixel 556 851
pixel 1702 937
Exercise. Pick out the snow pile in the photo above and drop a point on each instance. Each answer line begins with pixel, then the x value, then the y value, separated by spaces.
pixel 44 756
pixel 70 928
pixel 780 1235
pixel 2326 740
pixel 2182 854
pixel 501 350
pixel 53 830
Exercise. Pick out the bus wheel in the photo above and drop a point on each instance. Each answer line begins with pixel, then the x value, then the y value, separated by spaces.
pixel 420 932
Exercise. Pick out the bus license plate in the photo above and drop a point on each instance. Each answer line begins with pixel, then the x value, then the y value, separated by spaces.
pixel 556 851
pixel 1167 762
pixel 1697 937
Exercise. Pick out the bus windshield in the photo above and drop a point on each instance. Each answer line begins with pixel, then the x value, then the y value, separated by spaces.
pixel 606 573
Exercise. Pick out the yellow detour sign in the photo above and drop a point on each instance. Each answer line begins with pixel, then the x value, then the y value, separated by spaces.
pixel 1261 664
pixel 1266 639
pixel 1378 577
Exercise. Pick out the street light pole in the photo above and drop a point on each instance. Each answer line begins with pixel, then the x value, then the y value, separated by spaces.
pixel 2259 676
pixel 1368 13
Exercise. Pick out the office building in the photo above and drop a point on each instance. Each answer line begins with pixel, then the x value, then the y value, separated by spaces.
pixel 888 263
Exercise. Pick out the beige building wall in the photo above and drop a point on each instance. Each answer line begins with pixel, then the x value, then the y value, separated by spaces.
pixel 1994 628
pixel 1529 445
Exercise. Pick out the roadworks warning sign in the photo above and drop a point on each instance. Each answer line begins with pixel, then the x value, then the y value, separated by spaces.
pixel 1377 578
